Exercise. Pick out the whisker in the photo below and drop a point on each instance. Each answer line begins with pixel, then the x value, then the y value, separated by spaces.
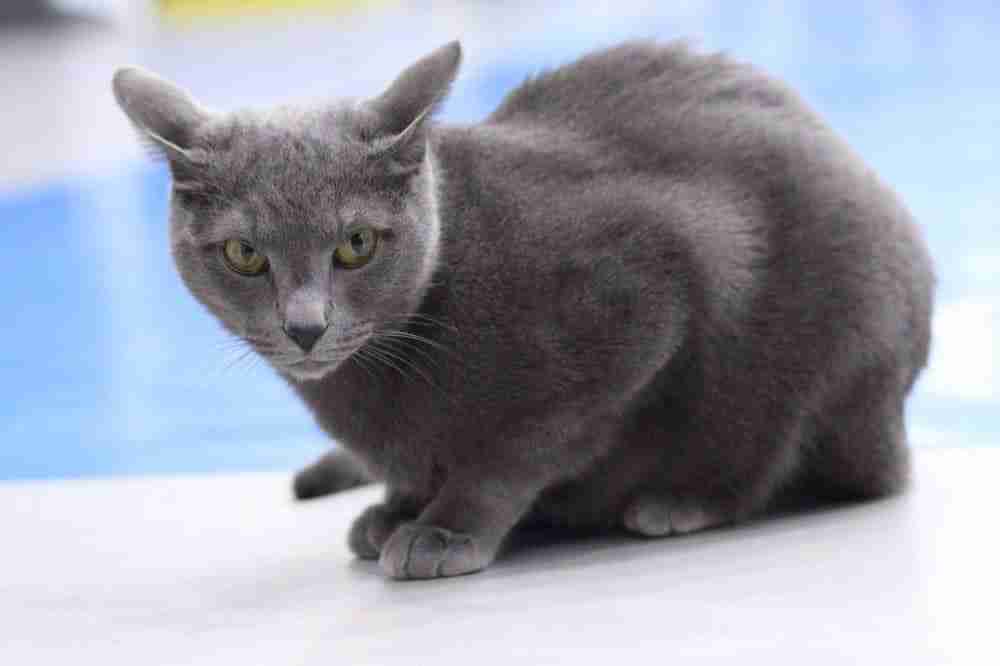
pixel 416 338
pixel 252 364
pixel 421 372
pixel 394 353
pixel 239 359
pixel 229 344
pixel 362 362
pixel 378 355
pixel 410 346
pixel 419 318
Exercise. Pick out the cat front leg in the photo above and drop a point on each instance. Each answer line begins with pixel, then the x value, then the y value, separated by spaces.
pixel 460 531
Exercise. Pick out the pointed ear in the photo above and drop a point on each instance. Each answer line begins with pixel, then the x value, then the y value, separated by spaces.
pixel 165 116
pixel 403 109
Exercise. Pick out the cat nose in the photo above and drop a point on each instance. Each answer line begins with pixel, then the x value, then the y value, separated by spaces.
pixel 305 317
pixel 305 334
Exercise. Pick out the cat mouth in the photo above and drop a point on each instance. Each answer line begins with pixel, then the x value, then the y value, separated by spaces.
pixel 309 363
pixel 323 362
pixel 309 368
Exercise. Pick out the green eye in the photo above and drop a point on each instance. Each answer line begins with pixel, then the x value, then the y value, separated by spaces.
pixel 358 249
pixel 242 258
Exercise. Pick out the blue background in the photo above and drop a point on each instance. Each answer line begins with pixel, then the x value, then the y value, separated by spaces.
pixel 109 367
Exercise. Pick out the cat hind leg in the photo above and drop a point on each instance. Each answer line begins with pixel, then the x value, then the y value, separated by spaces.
pixel 864 453
pixel 334 472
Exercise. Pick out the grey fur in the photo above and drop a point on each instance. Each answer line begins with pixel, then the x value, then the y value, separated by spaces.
pixel 652 290
pixel 336 471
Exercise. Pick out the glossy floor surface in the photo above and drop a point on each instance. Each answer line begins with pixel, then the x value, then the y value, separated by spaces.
pixel 229 571
pixel 108 367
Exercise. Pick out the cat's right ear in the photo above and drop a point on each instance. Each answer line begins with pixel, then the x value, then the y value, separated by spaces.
pixel 164 114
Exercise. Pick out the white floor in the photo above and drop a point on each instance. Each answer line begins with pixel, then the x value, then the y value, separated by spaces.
pixel 228 570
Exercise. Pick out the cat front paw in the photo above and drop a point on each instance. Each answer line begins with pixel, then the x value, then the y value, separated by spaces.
pixel 417 551
pixel 372 529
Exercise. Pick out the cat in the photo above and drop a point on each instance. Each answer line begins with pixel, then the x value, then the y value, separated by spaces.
pixel 651 291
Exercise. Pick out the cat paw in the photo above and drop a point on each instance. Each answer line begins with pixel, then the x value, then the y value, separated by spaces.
pixel 332 473
pixel 656 517
pixel 417 551
pixel 371 530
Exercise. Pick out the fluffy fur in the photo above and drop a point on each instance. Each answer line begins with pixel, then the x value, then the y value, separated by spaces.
pixel 652 290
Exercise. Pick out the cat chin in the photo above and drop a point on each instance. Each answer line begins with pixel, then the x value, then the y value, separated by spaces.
pixel 308 372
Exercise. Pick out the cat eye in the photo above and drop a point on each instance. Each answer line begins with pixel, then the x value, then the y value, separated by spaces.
pixel 358 249
pixel 241 258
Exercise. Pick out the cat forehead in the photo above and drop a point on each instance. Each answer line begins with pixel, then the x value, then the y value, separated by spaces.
pixel 290 143
pixel 290 170
pixel 327 124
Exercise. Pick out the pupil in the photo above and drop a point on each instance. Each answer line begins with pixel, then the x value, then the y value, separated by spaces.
pixel 357 242
pixel 246 251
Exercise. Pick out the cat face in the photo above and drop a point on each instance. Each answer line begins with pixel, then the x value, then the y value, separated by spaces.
pixel 305 231
pixel 304 242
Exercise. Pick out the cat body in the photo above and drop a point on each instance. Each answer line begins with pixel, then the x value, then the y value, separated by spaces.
pixel 651 290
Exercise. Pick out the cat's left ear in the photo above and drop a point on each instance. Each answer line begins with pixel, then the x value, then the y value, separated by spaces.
pixel 403 109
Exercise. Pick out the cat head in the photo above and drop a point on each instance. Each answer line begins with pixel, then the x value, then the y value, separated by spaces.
pixel 304 230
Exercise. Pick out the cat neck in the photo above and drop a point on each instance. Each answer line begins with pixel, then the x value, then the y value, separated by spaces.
pixel 389 385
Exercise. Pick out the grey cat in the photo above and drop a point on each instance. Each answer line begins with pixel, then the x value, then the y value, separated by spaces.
pixel 652 290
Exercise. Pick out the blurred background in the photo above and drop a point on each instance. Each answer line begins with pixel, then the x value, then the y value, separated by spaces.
pixel 108 366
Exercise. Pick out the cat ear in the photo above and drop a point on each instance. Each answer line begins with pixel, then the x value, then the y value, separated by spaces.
pixel 165 115
pixel 411 99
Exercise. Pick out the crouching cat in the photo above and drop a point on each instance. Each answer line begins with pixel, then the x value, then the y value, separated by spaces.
pixel 652 290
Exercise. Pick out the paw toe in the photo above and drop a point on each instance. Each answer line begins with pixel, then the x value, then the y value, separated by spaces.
pixel 332 473
pixel 690 519
pixel 357 541
pixel 423 551
pixel 650 519
pixel 371 530
pixel 657 518
pixel 306 485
